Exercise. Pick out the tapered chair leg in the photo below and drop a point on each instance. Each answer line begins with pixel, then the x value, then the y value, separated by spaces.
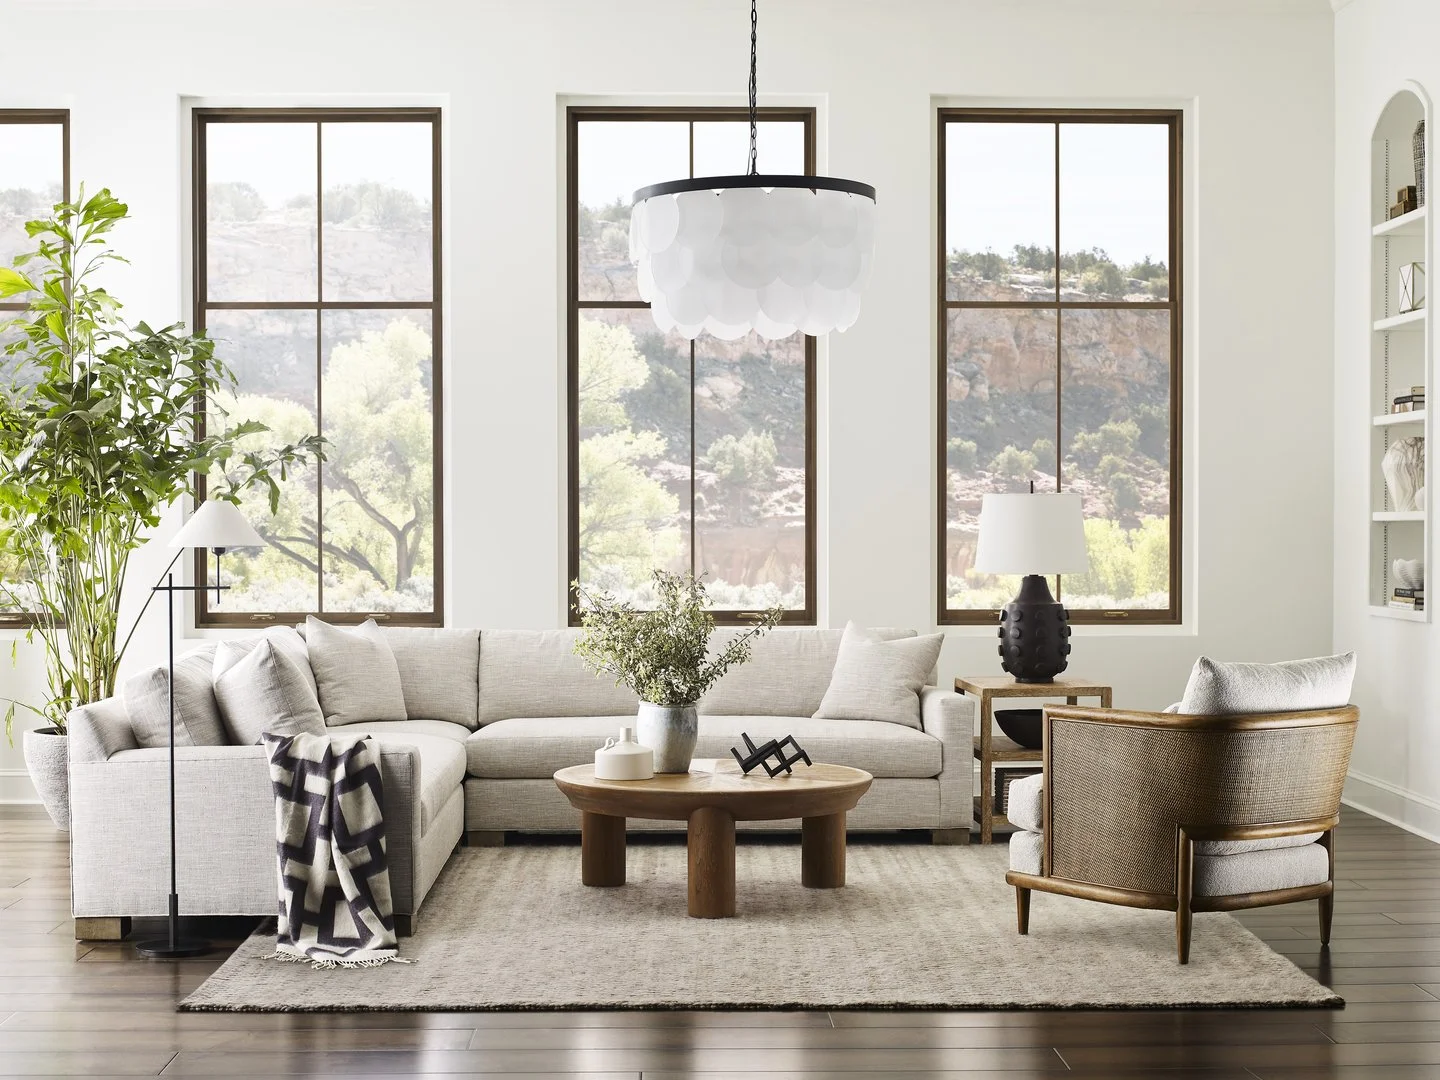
pixel 1022 909
pixel 1327 916
pixel 1184 890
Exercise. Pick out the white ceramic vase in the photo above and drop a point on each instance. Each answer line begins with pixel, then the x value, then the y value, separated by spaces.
pixel 1408 573
pixel 624 758
pixel 670 732
pixel 1404 469
pixel 47 757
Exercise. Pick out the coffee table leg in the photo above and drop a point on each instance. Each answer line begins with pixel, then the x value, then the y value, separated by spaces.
pixel 822 852
pixel 602 850
pixel 711 843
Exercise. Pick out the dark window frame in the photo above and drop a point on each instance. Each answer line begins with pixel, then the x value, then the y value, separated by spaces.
pixel 575 115
pixel 1174 120
pixel 9 309
pixel 200 118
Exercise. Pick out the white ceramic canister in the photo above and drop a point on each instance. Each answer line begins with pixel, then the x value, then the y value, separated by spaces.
pixel 624 759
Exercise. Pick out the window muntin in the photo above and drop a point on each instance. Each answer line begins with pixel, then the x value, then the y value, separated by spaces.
pixel 34 176
pixel 1064 373
pixel 683 456
pixel 318 271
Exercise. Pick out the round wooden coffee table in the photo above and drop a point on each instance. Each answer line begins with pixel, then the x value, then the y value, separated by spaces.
pixel 711 803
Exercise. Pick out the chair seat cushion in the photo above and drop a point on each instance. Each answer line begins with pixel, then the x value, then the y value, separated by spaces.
pixel 442 762
pixel 1261 871
pixel 527 748
pixel 1022 804
pixel 1025 848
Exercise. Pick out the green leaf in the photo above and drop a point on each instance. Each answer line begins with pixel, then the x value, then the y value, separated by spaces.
pixel 12 282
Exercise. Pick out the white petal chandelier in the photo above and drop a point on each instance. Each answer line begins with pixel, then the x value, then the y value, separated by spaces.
pixel 768 253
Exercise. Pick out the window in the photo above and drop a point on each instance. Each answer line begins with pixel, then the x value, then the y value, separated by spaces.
pixel 317 271
pixel 1062 371
pixel 683 455
pixel 34 176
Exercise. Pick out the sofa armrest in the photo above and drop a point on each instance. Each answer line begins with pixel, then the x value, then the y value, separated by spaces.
pixel 225 835
pixel 950 717
pixel 99 730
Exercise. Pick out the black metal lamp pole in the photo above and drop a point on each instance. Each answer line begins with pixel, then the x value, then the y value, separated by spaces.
pixel 173 946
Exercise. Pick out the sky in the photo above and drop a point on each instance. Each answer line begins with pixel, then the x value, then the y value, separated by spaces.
pixel 1114 181
pixel 31 155
pixel 278 160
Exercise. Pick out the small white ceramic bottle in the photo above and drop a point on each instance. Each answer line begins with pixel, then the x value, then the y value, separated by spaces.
pixel 624 759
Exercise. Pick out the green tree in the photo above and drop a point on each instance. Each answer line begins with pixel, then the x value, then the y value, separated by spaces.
pixel 375 205
pixel 233 200
pixel 1014 464
pixel 962 454
pixel 1044 451
pixel 1103 278
pixel 985 265
pixel 1124 493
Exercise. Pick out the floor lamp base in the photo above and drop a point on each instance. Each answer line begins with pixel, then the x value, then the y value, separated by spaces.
pixel 180 950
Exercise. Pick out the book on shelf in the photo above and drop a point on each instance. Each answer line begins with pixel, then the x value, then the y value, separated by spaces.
pixel 1404 403
pixel 1401 605
pixel 1402 593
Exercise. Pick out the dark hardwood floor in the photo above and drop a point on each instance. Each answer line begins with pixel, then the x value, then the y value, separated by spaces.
pixel 95 1011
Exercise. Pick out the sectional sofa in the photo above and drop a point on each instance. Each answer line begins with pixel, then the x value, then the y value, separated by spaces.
pixel 490 716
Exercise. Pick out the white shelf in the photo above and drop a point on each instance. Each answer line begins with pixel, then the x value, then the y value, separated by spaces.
pixel 1384 611
pixel 1415 416
pixel 1411 224
pixel 1411 320
pixel 1398 515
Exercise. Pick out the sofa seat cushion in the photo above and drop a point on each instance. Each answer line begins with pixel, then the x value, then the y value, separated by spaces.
pixel 526 748
pixel 453 732
pixel 442 763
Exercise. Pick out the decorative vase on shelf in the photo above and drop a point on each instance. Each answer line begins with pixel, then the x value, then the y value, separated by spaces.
pixel 671 732
pixel 1408 573
pixel 1404 469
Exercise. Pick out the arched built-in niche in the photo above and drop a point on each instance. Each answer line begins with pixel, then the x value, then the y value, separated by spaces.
pixel 1400 344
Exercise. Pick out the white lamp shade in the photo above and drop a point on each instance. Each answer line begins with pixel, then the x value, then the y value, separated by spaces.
pixel 217 524
pixel 1032 534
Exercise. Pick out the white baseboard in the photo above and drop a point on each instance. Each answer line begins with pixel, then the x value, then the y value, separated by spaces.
pixel 1406 809
pixel 15 787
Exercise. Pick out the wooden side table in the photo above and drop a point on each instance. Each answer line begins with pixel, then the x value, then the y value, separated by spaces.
pixel 991 747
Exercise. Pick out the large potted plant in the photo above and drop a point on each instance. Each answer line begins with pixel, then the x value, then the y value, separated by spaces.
pixel 102 426
pixel 663 655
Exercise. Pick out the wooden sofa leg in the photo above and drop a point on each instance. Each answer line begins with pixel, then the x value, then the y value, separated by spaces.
pixel 116 929
pixel 1022 909
pixel 405 925
pixel 484 838
pixel 949 836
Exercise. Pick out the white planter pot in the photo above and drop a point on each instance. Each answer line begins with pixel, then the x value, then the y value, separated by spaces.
pixel 47 756
pixel 670 732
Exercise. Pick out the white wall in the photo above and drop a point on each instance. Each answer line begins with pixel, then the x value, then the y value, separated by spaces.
pixel 1395 770
pixel 1255 79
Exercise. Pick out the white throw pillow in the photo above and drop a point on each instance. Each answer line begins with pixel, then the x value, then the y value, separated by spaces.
pixel 1220 689
pixel 879 680
pixel 260 689
pixel 356 675
pixel 287 642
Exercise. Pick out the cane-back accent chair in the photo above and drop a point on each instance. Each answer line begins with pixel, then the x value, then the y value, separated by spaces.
pixel 1183 813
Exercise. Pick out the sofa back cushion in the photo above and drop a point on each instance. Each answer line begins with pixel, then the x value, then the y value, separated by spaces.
pixel 263 690
pixel 439 672
pixel 197 715
pixel 536 673
pixel 786 675
pixel 1219 689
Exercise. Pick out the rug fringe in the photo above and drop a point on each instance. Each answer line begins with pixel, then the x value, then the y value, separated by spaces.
pixel 326 963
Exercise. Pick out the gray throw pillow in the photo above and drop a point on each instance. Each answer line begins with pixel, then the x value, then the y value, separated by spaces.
pixel 1220 689
pixel 260 689
pixel 879 680
pixel 356 674
pixel 197 715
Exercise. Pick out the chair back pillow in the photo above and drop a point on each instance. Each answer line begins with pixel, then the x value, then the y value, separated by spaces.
pixel 356 677
pixel 1221 689
pixel 536 673
pixel 262 689
pixel 787 674
pixel 439 672
pixel 879 680
pixel 197 715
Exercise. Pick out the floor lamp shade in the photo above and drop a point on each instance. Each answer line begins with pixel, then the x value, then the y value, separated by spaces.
pixel 217 524
pixel 1033 535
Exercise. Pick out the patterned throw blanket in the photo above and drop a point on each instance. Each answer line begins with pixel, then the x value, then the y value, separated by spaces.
pixel 335 908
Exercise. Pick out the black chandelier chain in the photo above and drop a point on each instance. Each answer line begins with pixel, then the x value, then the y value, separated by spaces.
pixel 754 156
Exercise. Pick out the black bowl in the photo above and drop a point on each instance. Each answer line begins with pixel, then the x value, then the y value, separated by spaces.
pixel 1023 726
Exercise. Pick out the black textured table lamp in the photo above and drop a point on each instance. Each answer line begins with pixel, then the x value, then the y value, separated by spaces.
pixel 1033 535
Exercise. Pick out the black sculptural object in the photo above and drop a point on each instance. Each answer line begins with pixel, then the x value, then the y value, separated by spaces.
pixel 761 755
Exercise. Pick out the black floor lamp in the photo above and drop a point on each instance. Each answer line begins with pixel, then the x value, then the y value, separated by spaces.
pixel 216 525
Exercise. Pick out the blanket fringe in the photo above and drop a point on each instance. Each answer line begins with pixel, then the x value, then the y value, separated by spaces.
pixel 324 963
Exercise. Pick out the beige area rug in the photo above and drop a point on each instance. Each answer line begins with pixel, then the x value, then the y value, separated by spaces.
pixel 916 927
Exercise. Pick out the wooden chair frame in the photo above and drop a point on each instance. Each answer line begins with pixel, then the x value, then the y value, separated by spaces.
pixel 1240 810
